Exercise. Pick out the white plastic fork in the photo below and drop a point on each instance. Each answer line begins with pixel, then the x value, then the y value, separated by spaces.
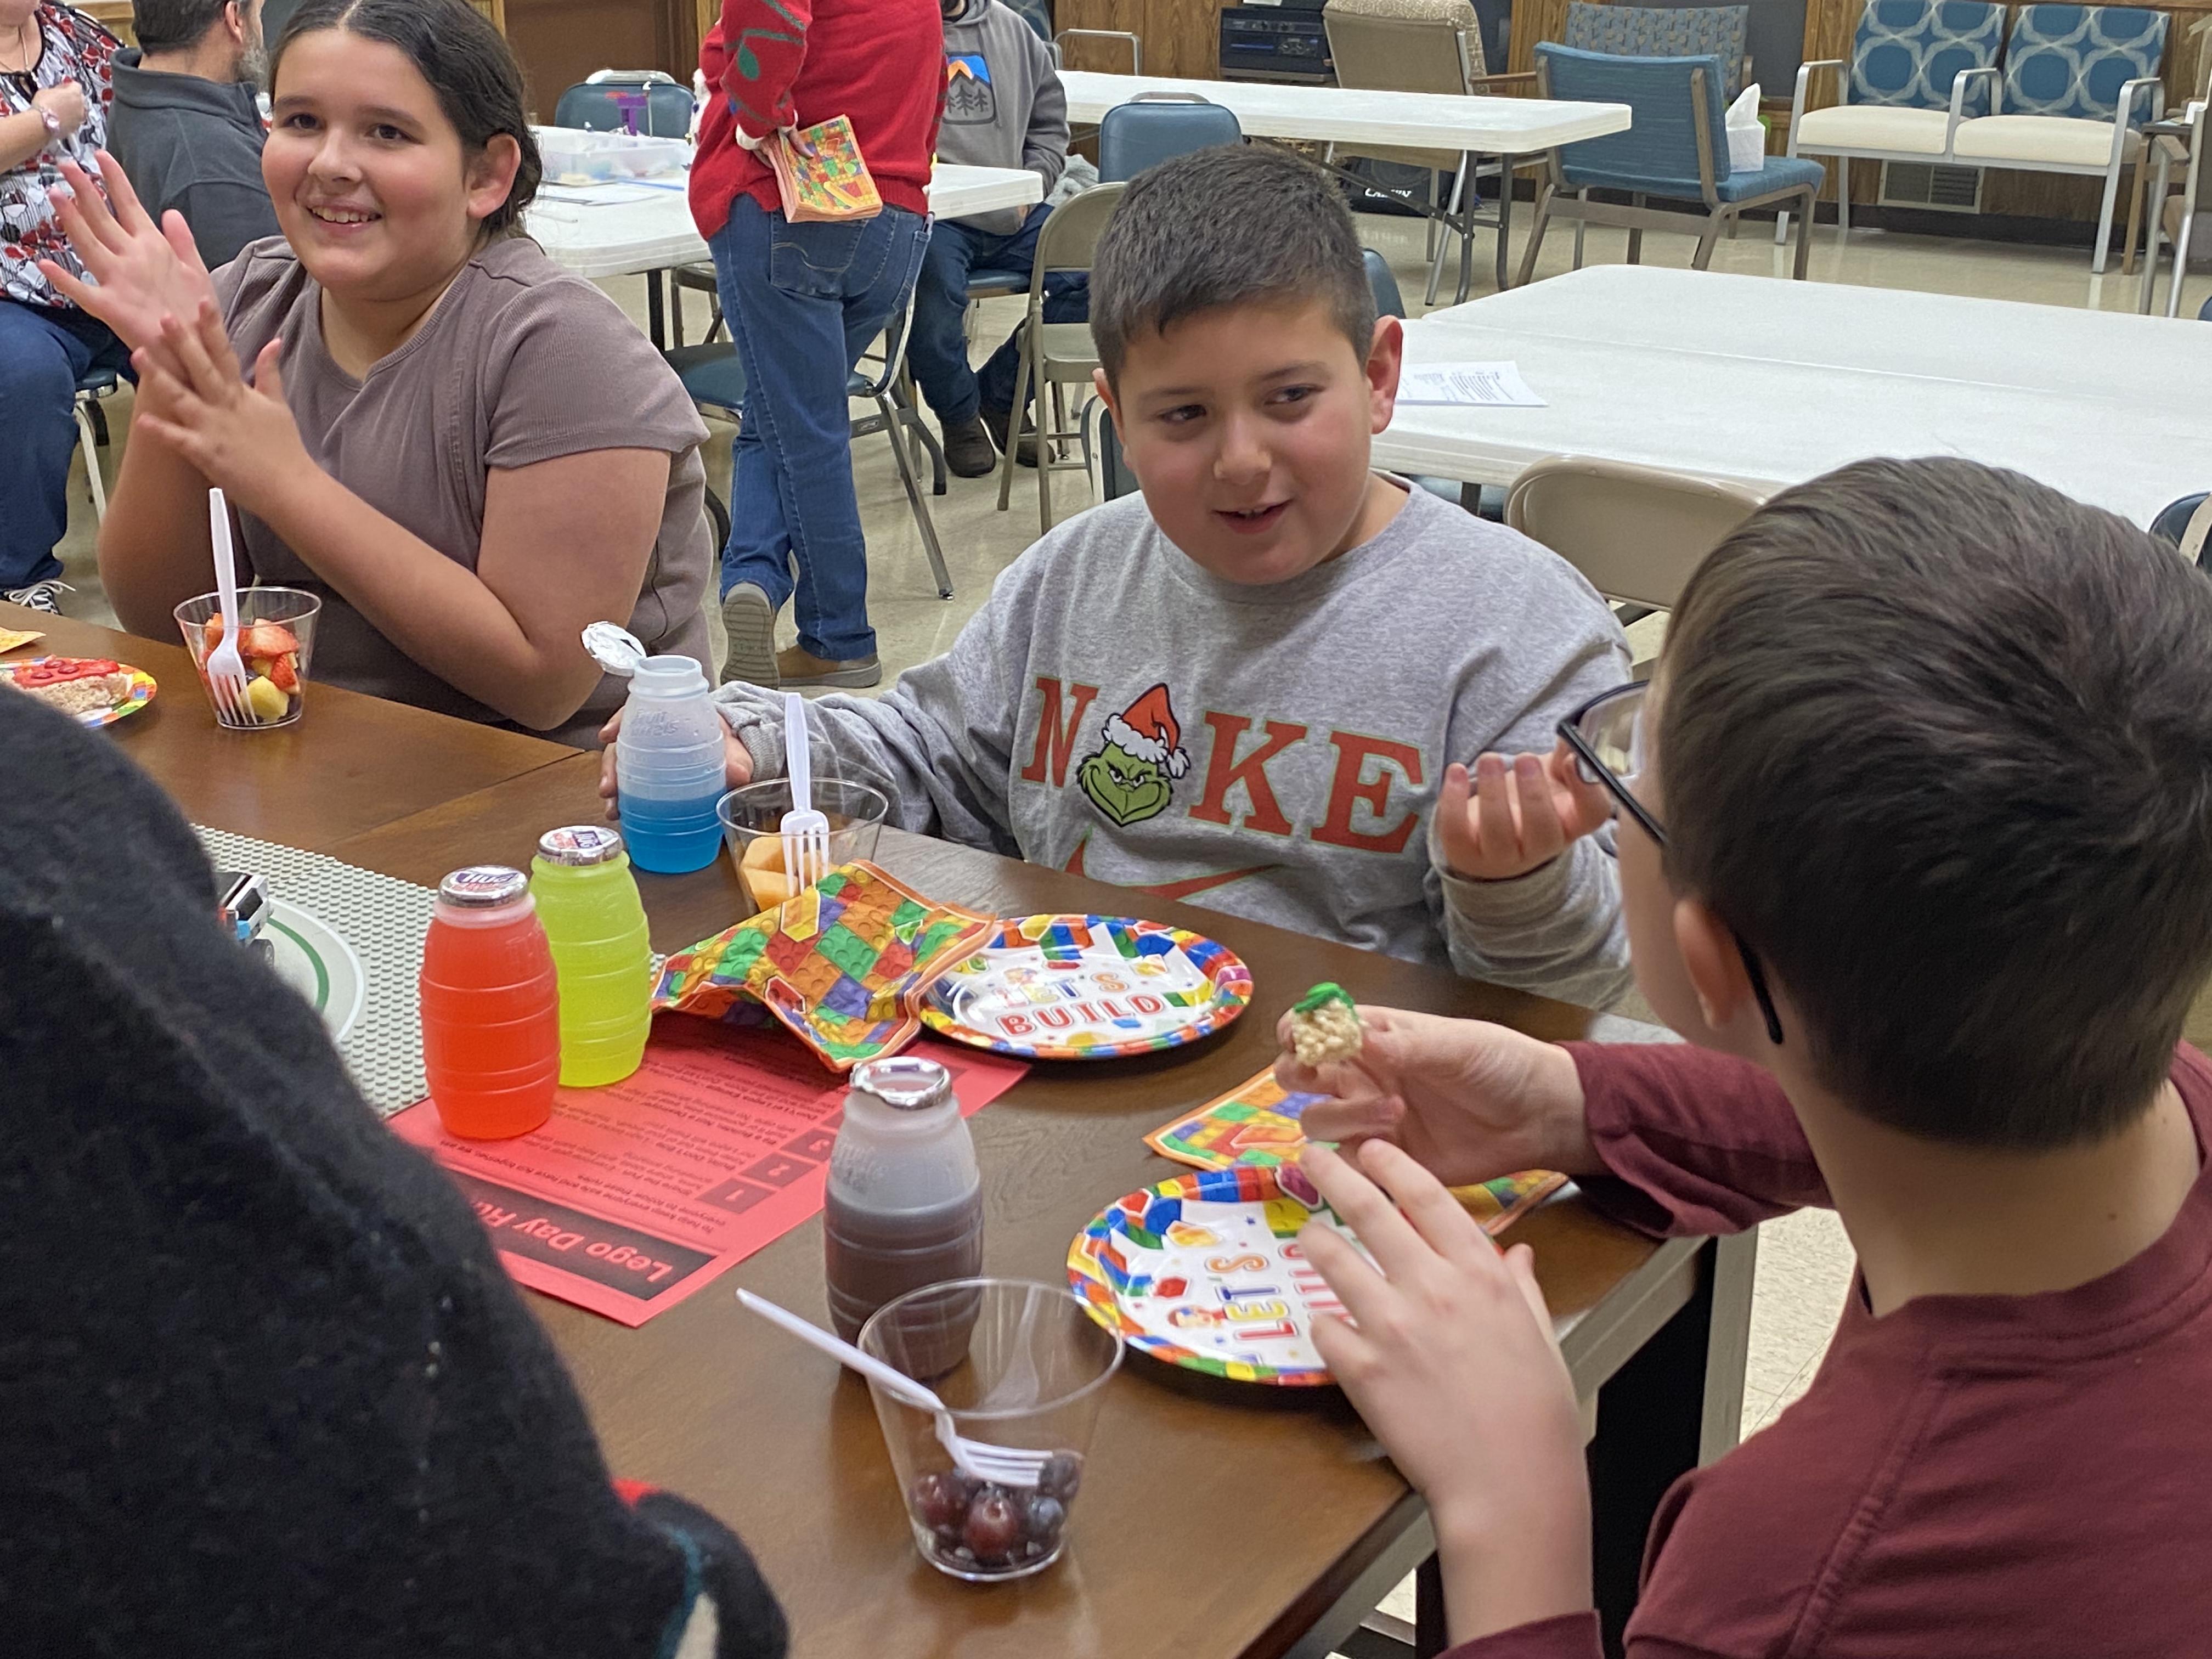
pixel 224 668
pixel 1003 1465
pixel 805 832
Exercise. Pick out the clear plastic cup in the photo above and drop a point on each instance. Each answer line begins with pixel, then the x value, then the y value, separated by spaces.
pixel 753 816
pixel 1028 1369
pixel 277 675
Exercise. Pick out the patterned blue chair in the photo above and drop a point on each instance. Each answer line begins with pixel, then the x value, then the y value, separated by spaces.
pixel 1664 32
pixel 1916 72
pixel 1675 148
pixel 2078 83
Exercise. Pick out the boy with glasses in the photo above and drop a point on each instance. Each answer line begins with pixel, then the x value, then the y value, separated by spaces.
pixel 1916 848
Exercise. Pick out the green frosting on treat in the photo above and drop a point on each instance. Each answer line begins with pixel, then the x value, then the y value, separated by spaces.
pixel 1321 996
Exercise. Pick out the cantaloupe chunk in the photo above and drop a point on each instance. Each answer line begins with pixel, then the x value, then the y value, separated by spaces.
pixel 761 872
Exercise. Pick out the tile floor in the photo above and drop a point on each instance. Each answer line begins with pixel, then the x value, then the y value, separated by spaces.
pixel 1805 1261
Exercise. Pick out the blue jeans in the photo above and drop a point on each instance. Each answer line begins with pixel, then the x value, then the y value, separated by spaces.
pixel 43 352
pixel 937 351
pixel 803 302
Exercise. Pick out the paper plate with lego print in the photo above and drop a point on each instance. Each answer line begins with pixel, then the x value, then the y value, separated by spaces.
pixel 1204 1271
pixel 1088 987
pixel 90 691
pixel 314 958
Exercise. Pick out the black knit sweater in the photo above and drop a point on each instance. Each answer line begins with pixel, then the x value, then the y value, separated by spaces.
pixel 264 1387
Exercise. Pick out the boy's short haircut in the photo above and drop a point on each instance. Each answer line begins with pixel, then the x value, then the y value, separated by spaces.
pixel 1238 225
pixel 1936 741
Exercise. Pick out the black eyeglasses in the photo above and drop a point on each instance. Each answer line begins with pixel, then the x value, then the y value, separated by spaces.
pixel 1606 734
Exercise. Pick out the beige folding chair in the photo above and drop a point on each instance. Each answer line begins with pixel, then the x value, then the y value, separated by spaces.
pixel 1636 533
pixel 1055 354
pixel 2174 220
pixel 1424 45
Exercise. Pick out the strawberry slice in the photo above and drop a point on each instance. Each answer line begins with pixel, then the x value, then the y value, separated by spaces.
pixel 266 639
pixel 284 672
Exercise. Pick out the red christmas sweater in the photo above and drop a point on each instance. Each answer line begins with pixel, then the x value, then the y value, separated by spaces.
pixel 880 63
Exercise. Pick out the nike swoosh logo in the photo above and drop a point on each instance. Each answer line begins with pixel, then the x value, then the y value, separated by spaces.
pixel 1185 889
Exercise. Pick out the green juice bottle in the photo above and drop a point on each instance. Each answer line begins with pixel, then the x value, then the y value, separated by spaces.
pixel 587 900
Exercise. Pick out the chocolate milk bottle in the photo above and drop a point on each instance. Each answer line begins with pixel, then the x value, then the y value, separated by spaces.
pixel 905 1205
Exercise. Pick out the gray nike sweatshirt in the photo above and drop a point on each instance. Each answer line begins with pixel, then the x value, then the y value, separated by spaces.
pixel 1004 107
pixel 1272 751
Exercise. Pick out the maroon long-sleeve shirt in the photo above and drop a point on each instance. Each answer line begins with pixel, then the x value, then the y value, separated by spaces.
pixel 2004 1477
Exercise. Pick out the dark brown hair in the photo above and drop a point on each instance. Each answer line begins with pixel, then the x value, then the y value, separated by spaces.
pixel 175 25
pixel 1937 741
pixel 1238 225
pixel 454 47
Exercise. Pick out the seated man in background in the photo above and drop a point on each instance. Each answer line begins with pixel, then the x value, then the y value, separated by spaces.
pixel 185 126
pixel 1003 108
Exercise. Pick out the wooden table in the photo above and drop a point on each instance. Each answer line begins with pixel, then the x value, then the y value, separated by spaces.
pixel 351 764
pixel 1216 1520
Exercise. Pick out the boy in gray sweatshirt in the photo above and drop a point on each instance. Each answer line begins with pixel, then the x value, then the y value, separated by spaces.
pixel 1257 686
pixel 1004 107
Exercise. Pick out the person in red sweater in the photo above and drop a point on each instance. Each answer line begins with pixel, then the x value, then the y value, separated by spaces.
pixel 1916 848
pixel 804 301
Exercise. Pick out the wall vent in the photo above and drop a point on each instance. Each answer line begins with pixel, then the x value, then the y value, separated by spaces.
pixel 1931 185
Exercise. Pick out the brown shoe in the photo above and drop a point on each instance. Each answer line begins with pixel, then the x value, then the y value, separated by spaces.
pixel 969 451
pixel 999 421
pixel 800 666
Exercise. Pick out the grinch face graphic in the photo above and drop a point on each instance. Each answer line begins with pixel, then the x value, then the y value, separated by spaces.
pixel 1131 777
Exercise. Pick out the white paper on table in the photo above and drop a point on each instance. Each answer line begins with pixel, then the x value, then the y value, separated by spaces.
pixel 1497 385
pixel 596 195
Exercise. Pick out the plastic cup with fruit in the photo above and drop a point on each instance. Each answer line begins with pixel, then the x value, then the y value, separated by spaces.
pixel 276 638
pixel 1033 1374
pixel 752 819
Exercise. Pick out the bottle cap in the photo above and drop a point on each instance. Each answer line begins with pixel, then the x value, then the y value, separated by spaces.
pixel 579 844
pixel 905 1083
pixel 483 886
pixel 614 648
pixel 669 677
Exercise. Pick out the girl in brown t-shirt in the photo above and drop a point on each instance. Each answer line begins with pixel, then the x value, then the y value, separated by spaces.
pixel 467 452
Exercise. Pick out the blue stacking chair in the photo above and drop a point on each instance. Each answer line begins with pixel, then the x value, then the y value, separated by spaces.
pixel 592 104
pixel 1153 127
pixel 1675 149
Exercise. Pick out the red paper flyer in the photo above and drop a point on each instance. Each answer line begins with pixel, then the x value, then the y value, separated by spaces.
pixel 634 1195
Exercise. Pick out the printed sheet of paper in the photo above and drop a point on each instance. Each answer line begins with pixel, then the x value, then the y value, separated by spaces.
pixel 634 1195
pixel 1495 385
pixel 1258 1122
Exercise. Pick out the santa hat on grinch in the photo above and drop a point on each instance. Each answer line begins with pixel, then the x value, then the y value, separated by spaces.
pixel 1147 729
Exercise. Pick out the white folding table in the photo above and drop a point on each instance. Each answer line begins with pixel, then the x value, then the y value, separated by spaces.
pixel 1346 115
pixel 1356 117
pixel 1769 383
pixel 645 226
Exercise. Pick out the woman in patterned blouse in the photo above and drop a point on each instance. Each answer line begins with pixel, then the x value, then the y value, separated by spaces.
pixel 54 94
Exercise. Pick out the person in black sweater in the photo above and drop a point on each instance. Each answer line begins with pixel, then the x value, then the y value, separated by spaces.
pixel 264 1387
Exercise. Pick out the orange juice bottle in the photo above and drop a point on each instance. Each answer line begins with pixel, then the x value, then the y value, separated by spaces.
pixel 491 1007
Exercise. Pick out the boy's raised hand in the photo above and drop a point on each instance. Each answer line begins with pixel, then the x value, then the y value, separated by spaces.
pixel 1450 1355
pixel 1514 814
pixel 737 763
pixel 1467 1099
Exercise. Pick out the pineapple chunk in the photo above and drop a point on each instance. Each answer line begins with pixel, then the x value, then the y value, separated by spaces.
pixel 269 704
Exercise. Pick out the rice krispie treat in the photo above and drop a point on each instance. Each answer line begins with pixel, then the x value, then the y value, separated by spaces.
pixel 1324 1026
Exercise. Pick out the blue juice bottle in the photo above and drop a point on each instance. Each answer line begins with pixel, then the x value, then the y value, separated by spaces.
pixel 668 768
